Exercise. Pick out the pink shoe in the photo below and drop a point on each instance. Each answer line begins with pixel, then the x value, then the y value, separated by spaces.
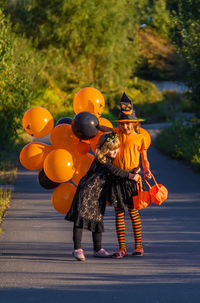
pixel 119 254
pixel 79 254
pixel 102 253
pixel 138 252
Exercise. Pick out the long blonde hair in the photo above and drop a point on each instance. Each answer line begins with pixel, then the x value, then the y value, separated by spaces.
pixel 107 142
pixel 136 126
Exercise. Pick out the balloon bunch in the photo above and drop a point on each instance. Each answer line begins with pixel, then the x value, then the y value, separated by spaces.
pixel 73 141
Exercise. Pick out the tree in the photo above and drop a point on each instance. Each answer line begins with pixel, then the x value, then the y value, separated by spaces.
pixel 161 18
pixel 95 37
pixel 187 38
pixel 15 88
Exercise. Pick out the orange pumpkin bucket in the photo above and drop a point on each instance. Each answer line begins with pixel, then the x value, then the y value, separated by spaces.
pixel 143 199
pixel 158 192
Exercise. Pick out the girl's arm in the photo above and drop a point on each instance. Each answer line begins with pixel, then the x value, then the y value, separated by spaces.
pixel 119 172
pixel 145 164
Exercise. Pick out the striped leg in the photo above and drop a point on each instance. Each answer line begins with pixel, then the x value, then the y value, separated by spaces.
pixel 137 226
pixel 120 228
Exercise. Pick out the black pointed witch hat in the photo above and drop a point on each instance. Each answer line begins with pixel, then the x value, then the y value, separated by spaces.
pixel 127 112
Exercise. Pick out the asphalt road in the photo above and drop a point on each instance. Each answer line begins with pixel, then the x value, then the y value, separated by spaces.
pixel 36 263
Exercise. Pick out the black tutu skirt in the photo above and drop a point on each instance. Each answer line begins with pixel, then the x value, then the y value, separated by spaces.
pixel 121 192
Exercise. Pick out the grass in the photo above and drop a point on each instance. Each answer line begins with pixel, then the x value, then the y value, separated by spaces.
pixel 5 197
pixel 8 168
pixel 9 159
pixel 8 173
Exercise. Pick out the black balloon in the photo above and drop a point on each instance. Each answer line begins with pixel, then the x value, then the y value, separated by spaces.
pixel 84 125
pixel 64 120
pixel 45 182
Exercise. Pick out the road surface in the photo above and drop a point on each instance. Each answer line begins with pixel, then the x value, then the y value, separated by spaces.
pixel 36 263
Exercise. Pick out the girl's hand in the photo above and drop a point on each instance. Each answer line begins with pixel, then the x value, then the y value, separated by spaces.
pixel 134 177
pixel 147 174
pixel 137 178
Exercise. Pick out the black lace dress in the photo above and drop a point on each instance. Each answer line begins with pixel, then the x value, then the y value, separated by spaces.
pixel 88 206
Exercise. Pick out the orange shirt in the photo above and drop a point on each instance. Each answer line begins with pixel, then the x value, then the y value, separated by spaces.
pixel 129 152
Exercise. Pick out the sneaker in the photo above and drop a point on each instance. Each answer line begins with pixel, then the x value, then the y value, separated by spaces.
pixel 79 254
pixel 138 252
pixel 119 254
pixel 102 253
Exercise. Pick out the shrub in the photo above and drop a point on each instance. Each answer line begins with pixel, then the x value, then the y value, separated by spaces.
pixel 15 82
pixel 147 100
pixel 182 141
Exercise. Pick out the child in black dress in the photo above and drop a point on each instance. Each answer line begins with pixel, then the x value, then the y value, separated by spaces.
pixel 88 206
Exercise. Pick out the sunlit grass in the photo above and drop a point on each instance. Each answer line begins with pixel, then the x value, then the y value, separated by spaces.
pixel 8 167
pixel 8 177
pixel 5 197
pixel 9 160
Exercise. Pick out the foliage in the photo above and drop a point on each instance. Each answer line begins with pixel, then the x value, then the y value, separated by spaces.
pixel 158 58
pixel 146 97
pixel 161 18
pixel 182 141
pixel 96 43
pixel 15 83
pixel 187 38
pixel 139 91
pixel 95 37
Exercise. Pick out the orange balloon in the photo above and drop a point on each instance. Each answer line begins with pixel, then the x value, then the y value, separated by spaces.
pixel 62 197
pixel 105 122
pixel 47 150
pixel 62 136
pixel 89 99
pixel 81 147
pixel 147 136
pixel 59 166
pixel 33 155
pixel 82 166
pixel 94 141
pixel 38 122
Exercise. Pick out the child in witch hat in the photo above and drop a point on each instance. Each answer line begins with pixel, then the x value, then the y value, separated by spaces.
pixel 132 147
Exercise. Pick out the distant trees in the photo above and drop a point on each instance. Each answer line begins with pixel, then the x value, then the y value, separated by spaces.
pixel 161 18
pixel 187 38
pixel 95 41
pixel 92 42
pixel 96 38
pixel 72 44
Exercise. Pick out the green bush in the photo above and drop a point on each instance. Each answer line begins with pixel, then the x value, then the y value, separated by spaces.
pixel 182 141
pixel 147 100
pixel 16 81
